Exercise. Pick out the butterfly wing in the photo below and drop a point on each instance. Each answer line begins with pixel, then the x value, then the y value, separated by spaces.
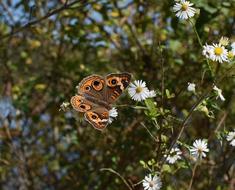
pixel 115 85
pixel 80 104
pixel 92 86
pixel 96 93
pixel 95 114
pixel 98 117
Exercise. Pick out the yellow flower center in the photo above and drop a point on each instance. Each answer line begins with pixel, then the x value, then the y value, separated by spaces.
pixel 184 7
pixel 200 150
pixel 138 89
pixel 218 51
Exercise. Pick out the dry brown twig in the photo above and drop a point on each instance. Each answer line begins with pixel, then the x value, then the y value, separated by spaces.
pixel 46 16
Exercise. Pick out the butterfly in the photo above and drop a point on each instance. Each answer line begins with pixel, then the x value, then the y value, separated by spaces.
pixel 96 94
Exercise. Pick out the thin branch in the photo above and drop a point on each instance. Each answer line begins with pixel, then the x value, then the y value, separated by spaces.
pixel 193 174
pixel 49 14
pixel 183 125
pixel 154 138
pixel 200 42
pixel 119 175
pixel 8 12
pixel 101 27
pixel 220 124
pixel 133 34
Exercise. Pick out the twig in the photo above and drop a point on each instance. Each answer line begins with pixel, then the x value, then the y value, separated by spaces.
pixel 49 14
pixel 183 125
pixel 193 174
pixel 102 28
pixel 219 124
pixel 138 183
pixel 154 138
pixel 8 12
pixel 131 31
pixel 200 42
pixel 119 175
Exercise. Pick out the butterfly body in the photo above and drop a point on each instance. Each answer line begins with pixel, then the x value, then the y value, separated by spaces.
pixel 96 95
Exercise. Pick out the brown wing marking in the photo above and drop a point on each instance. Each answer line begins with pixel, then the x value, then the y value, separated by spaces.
pixel 80 104
pixel 97 118
pixel 116 84
pixel 92 85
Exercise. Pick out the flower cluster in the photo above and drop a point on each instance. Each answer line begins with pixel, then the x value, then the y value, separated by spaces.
pixel 138 91
pixel 219 52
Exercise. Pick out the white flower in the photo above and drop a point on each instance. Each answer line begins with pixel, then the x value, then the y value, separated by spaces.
pixel 219 93
pixel 151 94
pixel 184 9
pixel 218 53
pixel 231 138
pixel 191 87
pixel 152 182
pixel 112 114
pixel 173 156
pixel 199 148
pixel 64 106
pixel 138 90
pixel 207 49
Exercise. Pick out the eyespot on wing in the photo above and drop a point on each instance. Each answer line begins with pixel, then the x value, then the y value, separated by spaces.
pixel 97 121
pixel 79 104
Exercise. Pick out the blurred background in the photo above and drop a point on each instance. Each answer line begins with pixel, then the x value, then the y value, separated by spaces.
pixel 47 47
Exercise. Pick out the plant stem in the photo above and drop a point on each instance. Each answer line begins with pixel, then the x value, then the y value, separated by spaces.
pixel 200 42
pixel 154 138
pixel 119 175
pixel 193 174
pixel 183 125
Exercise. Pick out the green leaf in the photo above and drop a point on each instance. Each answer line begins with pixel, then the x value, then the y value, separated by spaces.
pixel 169 95
pixel 166 168
pixel 152 110
pixel 143 164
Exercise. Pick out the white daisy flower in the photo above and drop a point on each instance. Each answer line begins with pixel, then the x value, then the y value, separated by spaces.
pixel 173 156
pixel 219 93
pixel 112 115
pixel 219 53
pixel 151 94
pixel 231 138
pixel 138 90
pixel 152 182
pixel 199 148
pixel 184 9
pixel 191 87
pixel 207 51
